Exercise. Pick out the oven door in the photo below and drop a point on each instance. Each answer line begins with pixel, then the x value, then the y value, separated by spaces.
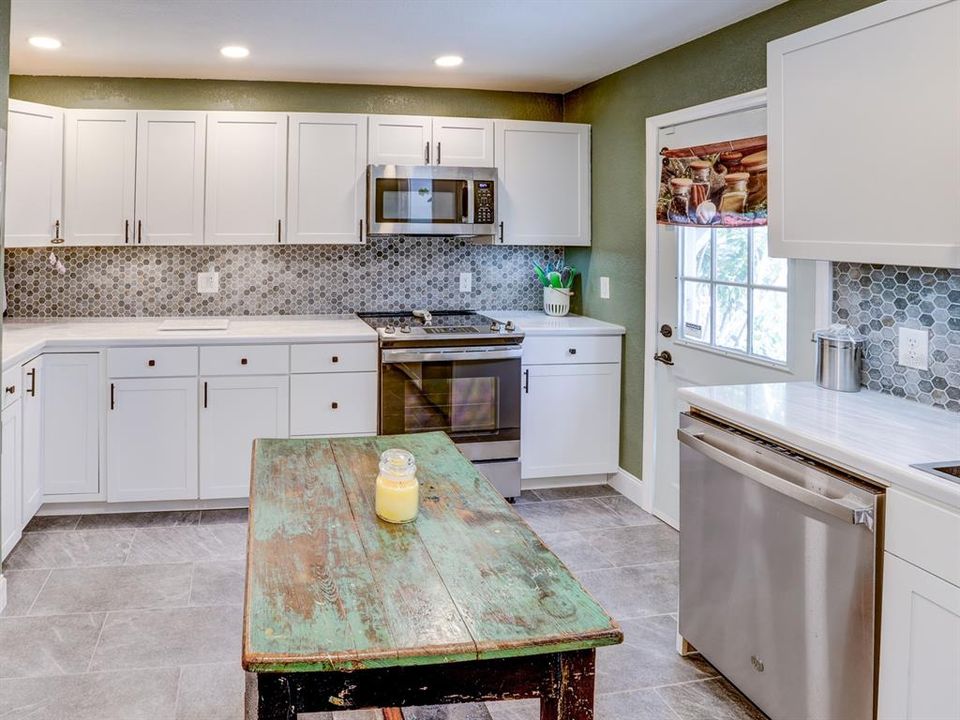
pixel 471 393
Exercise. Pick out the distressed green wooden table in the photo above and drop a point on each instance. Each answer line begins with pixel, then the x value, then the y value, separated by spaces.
pixel 343 610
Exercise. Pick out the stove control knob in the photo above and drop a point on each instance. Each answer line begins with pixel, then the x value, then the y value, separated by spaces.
pixel 389 330
pixel 510 327
pixel 494 326
pixel 405 328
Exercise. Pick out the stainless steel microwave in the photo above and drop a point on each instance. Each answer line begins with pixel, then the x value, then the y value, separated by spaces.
pixel 424 200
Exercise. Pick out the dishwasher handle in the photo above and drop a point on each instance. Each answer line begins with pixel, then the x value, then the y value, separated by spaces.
pixel 855 515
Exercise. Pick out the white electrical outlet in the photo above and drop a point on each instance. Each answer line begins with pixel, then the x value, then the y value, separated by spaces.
pixel 605 287
pixel 208 282
pixel 912 348
pixel 466 282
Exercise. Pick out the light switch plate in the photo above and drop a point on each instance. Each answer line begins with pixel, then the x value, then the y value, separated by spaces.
pixel 208 282
pixel 466 282
pixel 605 287
pixel 912 348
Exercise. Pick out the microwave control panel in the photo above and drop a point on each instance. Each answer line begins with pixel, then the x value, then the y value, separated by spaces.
pixel 483 202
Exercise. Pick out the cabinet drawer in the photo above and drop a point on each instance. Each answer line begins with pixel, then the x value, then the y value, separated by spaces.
pixel 925 534
pixel 571 349
pixel 333 404
pixel 151 362
pixel 333 357
pixel 11 386
pixel 245 360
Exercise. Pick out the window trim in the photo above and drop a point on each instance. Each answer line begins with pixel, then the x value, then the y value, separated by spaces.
pixel 712 281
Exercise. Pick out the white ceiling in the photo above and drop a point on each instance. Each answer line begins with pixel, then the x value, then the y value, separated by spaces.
pixel 537 45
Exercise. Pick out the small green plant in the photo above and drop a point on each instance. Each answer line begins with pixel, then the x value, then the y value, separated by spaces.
pixel 556 275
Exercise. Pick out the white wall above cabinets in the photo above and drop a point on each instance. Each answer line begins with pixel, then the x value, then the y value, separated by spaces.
pixel 544 182
pixel 246 178
pixel 326 178
pixel 170 178
pixel 100 149
pixel 864 161
pixel 34 188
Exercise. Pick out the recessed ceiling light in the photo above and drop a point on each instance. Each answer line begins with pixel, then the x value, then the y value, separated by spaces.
pixel 448 61
pixel 234 51
pixel 46 43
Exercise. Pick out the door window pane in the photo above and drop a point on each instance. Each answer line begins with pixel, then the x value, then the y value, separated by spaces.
pixel 732 254
pixel 770 324
pixel 695 312
pixel 732 314
pixel 697 253
pixel 767 270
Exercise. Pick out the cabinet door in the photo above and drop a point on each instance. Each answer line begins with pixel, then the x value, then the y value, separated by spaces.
pixel 326 178
pixel 34 197
pixel 400 140
pixel 61 428
pixel 464 142
pixel 864 150
pixel 100 148
pixel 544 188
pixel 152 439
pixel 170 177
pixel 234 412
pixel 246 178
pixel 570 415
pixel 11 524
pixel 919 645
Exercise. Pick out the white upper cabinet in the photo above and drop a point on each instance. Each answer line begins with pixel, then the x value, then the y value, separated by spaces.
pixel 401 140
pixel 34 198
pixel 99 162
pixel 864 161
pixel 246 178
pixel 464 142
pixel 170 178
pixel 326 178
pixel 544 182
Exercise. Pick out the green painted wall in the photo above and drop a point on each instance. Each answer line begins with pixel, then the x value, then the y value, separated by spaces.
pixel 150 93
pixel 727 62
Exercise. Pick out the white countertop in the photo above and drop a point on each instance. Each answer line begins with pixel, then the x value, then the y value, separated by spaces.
pixel 875 435
pixel 534 322
pixel 23 339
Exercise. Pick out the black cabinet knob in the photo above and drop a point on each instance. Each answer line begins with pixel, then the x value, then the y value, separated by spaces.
pixel 334 405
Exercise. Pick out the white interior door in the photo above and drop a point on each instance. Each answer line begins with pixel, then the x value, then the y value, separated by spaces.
pixel 726 313
pixel 234 411
pixel 170 177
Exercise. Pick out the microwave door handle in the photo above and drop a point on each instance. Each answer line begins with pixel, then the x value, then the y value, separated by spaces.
pixel 465 202
pixel 850 514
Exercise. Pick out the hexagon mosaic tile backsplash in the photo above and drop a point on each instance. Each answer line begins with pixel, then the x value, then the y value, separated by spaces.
pixel 878 300
pixel 388 273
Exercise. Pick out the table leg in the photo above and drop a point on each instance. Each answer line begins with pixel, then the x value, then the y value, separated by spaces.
pixel 273 698
pixel 568 694
pixel 392 714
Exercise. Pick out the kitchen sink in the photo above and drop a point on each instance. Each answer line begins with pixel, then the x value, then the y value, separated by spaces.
pixel 948 470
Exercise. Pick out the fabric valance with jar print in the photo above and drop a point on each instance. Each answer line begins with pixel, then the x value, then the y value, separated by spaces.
pixel 722 183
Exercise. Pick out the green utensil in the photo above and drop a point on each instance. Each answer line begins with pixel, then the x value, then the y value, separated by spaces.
pixel 541 275
pixel 554 277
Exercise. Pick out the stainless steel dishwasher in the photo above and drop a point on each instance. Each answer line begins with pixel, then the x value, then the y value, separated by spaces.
pixel 779 571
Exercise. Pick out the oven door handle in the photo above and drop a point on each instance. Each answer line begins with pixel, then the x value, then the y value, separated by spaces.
pixel 434 355
pixel 853 514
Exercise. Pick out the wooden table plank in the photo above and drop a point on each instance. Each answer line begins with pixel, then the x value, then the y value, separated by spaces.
pixel 513 593
pixel 311 599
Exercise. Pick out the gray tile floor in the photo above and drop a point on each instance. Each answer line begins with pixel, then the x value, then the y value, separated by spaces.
pixel 137 617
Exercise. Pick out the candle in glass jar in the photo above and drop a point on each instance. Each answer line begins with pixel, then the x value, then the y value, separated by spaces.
pixel 398 492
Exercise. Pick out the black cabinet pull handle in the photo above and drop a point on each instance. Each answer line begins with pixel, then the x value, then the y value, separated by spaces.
pixel 279 230
pixel 243 361
pixel 438 153
pixel 113 396
pixel 205 394
pixel 526 381
pixel 334 405
pixel 126 232
pixel 335 358
pixel 33 382
pixel 151 363
pixel 361 229
pixel 139 231
pixel 501 231
pixel 56 239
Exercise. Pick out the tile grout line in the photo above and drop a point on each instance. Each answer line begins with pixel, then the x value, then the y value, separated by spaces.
pixel 96 645
pixel 37 597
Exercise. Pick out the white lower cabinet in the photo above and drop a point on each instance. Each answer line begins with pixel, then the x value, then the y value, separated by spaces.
pixel 11 524
pixel 152 439
pixel 61 429
pixel 338 403
pixel 919 646
pixel 234 412
pixel 570 420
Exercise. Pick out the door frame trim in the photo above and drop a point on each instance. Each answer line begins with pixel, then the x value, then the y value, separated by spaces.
pixel 823 291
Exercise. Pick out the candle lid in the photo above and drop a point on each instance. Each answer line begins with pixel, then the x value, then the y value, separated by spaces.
pixel 398 462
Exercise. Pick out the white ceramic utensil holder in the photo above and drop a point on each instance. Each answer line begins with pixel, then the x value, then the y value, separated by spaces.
pixel 556 301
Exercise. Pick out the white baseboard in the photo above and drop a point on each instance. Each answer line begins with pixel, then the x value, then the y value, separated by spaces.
pixel 567 481
pixel 627 484
pixel 105 508
pixel 3 592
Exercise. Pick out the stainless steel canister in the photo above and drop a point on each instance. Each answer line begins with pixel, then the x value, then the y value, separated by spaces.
pixel 839 358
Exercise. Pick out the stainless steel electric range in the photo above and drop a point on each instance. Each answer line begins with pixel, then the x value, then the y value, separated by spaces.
pixel 455 371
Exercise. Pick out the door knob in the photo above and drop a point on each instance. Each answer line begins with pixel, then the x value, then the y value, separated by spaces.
pixel 666 330
pixel 664 357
